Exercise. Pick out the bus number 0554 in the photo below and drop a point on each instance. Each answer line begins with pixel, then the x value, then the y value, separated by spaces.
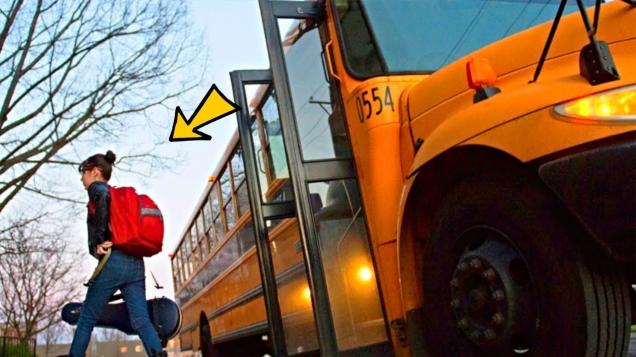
pixel 367 101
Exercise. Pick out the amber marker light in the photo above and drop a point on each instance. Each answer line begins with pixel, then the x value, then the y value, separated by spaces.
pixel 365 274
pixel 617 106
pixel 307 294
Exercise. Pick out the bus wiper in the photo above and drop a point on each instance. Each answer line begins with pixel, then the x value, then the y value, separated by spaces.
pixel 595 59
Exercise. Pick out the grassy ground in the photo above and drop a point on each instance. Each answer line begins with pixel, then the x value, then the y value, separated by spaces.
pixel 634 328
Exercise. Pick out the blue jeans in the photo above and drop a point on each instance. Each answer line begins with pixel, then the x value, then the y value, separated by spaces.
pixel 125 273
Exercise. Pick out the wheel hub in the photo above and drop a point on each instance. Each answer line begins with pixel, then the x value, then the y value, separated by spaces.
pixel 491 295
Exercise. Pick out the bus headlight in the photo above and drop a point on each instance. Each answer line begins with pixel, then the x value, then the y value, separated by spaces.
pixel 616 106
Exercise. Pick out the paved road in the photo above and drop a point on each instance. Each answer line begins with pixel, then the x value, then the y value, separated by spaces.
pixel 632 346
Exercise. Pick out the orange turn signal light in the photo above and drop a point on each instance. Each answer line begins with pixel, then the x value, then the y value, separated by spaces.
pixel 479 73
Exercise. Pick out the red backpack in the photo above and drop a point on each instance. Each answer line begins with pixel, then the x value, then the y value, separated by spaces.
pixel 136 222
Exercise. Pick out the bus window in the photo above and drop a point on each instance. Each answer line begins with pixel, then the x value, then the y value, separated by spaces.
pixel 175 275
pixel 243 199
pixel 218 224
pixel 187 244
pixel 238 171
pixel 202 236
pixel 216 213
pixel 214 199
pixel 195 246
pixel 182 266
pixel 229 213
pixel 208 224
pixel 226 186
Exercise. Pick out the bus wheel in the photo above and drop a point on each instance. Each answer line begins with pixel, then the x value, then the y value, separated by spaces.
pixel 506 274
pixel 205 337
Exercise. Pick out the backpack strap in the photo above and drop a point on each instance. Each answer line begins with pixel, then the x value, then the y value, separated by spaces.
pixel 99 268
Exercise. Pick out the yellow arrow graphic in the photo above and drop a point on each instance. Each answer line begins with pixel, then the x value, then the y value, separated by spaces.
pixel 214 106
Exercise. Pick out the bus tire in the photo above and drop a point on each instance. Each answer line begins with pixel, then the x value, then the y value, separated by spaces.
pixel 205 337
pixel 505 273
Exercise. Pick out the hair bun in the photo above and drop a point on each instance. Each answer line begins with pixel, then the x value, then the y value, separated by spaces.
pixel 110 157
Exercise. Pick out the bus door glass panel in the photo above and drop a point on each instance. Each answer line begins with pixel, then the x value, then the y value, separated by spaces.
pixel 257 139
pixel 337 211
pixel 353 292
pixel 274 139
pixel 294 296
pixel 319 123
pixel 292 283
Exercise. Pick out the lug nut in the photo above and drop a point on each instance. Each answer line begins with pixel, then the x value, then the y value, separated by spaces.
pixel 490 274
pixel 498 295
pixel 454 283
pixel 462 267
pixel 475 263
pixel 490 334
pixel 498 318
pixel 462 324
pixel 455 303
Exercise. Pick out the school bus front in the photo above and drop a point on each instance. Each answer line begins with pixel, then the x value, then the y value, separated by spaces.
pixel 515 188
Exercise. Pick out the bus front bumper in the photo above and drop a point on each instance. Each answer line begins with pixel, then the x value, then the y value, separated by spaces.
pixel 598 186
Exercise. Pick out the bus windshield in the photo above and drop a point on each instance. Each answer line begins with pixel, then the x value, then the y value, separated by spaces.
pixel 424 35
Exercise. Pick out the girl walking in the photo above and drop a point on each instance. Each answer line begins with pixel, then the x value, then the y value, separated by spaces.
pixel 121 272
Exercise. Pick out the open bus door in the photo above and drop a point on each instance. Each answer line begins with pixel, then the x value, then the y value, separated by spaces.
pixel 333 283
pixel 296 135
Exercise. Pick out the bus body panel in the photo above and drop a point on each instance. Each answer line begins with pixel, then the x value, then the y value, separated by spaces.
pixel 559 83
pixel 242 278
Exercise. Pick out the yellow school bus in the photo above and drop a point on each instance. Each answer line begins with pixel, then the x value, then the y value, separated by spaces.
pixel 441 178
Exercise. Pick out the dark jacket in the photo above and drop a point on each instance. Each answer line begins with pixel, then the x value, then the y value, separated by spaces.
pixel 98 220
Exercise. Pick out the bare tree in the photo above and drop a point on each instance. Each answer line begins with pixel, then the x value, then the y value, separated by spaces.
pixel 16 226
pixel 37 278
pixel 69 68
pixel 110 334
pixel 55 334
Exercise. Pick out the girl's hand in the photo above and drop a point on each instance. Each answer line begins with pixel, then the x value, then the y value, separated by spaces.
pixel 102 248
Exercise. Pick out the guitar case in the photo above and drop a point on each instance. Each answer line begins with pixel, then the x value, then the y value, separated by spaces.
pixel 164 313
